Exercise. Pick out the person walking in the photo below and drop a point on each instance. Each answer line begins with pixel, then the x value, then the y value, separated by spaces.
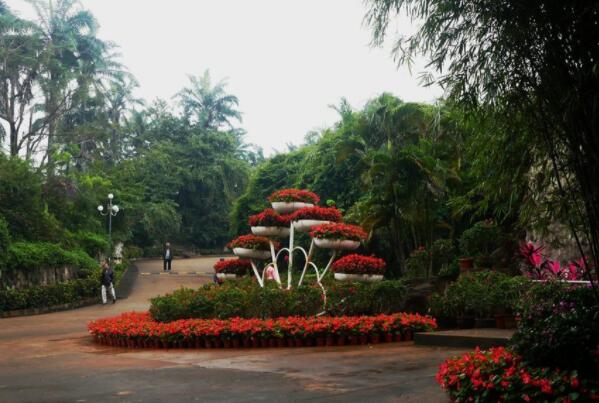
pixel 167 257
pixel 107 281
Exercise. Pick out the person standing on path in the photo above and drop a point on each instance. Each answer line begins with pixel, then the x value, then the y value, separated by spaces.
pixel 107 281
pixel 167 257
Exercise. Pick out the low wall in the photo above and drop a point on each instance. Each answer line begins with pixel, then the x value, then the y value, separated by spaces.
pixel 40 276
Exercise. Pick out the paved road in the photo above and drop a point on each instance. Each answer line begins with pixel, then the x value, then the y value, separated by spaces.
pixel 50 358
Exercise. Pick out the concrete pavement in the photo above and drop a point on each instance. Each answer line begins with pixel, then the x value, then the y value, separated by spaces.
pixel 50 358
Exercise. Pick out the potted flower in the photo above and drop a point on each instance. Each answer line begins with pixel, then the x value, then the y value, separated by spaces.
pixel 270 223
pixel 338 236
pixel 359 267
pixel 250 247
pixel 232 268
pixel 289 200
pixel 306 218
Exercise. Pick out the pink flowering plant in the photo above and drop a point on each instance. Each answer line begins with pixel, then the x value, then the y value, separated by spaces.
pixel 538 267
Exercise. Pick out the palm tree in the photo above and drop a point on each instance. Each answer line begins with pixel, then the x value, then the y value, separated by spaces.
pixel 209 106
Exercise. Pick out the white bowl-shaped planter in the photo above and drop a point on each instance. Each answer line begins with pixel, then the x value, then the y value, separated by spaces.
pixel 289 207
pixel 226 275
pixel 252 253
pixel 306 225
pixel 270 231
pixel 338 244
pixel 358 277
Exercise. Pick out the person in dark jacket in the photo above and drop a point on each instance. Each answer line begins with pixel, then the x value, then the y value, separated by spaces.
pixel 107 281
pixel 167 257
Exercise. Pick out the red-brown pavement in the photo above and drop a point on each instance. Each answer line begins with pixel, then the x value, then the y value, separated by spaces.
pixel 51 358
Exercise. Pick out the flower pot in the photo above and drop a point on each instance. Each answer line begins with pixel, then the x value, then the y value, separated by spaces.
pixel 337 244
pixel 252 253
pixel 352 340
pixel 199 343
pixel 388 337
pixel 271 231
pixel 375 338
pixel 281 342
pixel 272 342
pixel 208 343
pixel 255 343
pixel 290 342
pixel 398 337
pixel 500 321
pixel 309 342
pixel 320 341
pixel 247 342
pixel 235 343
pixel 465 322
pixel 165 344
pixel 227 343
pixel 224 276
pixel 330 340
pixel 341 340
pixel 510 322
pixel 289 207
pixel 306 225
pixel 363 339
pixel 482 323
pixel 263 342
pixel 299 342
pixel 466 264
pixel 358 277
pixel 408 335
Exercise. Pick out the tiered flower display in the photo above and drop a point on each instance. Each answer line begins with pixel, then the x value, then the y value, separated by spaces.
pixel 498 375
pixel 232 268
pixel 356 266
pixel 138 329
pixel 270 223
pixel 308 217
pixel 338 236
pixel 251 246
pixel 288 200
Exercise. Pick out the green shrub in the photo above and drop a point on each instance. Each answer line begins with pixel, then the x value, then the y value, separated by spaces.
pixel 244 298
pixel 417 264
pixel 92 243
pixel 28 256
pixel 4 241
pixel 450 272
pixel 559 327
pixel 133 252
pixel 480 241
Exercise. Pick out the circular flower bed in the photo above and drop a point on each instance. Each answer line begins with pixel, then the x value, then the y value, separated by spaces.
pixel 232 267
pixel 355 264
pixel 294 195
pixel 499 375
pixel 138 329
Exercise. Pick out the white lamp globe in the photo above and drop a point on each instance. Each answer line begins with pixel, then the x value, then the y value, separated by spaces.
pixel 110 196
pixel 115 208
pixel 100 208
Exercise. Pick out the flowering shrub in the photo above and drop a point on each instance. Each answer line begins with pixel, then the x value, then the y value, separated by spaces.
pixel 250 242
pixel 139 328
pixel 359 264
pixel 539 267
pixel 269 218
pixel 294 195
pixel 233 266
pixel 498 375
pixel 317 213
pixel 338 231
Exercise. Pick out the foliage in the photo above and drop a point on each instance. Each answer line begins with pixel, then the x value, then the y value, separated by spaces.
pixel 359 264
pixel 500 375
pixel 559 327
pixel 28 256
pixel 418 263
pixel 92 243
pixel 539 267
pixel 246 299
pixel 4 241
pixel 480 241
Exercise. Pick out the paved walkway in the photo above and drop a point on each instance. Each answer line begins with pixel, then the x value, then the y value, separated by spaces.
pixel 50 358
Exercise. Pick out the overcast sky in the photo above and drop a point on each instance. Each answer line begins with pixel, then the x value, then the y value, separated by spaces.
pixel 285 60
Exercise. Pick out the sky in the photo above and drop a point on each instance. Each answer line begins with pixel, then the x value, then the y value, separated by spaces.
pixel 285 60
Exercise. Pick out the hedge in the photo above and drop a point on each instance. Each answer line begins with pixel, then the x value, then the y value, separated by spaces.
pixel 28 256
pixel 244 298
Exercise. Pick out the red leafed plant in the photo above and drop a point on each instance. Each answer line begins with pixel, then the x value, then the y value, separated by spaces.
pixel 338 231
pixel 317 213
pixel 294 195
pixel 233 266
pixel 359 264
pixel 250 242
pixel 269 218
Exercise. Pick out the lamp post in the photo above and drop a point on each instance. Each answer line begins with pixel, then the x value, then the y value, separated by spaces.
pixel 111 211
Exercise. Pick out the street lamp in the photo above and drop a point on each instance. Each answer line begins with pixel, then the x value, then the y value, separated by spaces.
pixel 111 211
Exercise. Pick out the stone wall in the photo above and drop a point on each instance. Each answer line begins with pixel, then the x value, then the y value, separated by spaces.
pixel 41 276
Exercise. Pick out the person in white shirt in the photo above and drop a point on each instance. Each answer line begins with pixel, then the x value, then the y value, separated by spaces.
pixel 167 257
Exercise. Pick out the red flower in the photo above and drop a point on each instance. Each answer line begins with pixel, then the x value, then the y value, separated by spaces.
pixel 250 242
pixel 232 266
pixel 338 231
pixel 359 264
pixel 294 195
pixel 317 213
pixel 269 218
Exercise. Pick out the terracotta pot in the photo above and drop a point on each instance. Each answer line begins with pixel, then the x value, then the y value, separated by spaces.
pixel 263 342
pixel 235 342
pixel 352 340
pixel 247 342
pixel 299 342
pixel 320 341
pixel 465 264
pixel 398 337
pixel 217 343
pixel 281 342
pixel 255 342
pixel 408 335
pixel 375 338
pixel 165 344
pixel 388 337
pixel 208 343
pixel 363 339
pixel 227 343
pixel 199 343
pixel 510 322
pixel 341 340
pixel 290 342
pixel 272 342
pixel 309 342
pixel 330 340
pixel 500 321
